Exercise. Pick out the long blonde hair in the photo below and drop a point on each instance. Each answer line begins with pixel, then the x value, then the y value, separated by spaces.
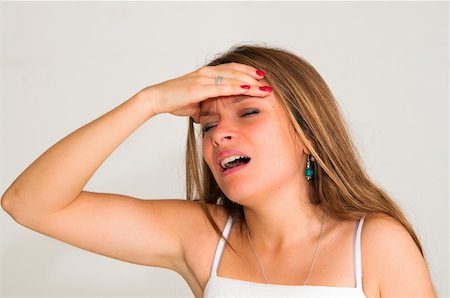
pixel 340 184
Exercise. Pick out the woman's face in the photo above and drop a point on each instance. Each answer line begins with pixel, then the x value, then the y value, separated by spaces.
pixel 249 146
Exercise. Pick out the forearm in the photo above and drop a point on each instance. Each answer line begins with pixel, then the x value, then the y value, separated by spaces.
pixel 58 176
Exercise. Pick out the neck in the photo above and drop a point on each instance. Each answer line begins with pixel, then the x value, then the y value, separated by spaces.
pixel 283 221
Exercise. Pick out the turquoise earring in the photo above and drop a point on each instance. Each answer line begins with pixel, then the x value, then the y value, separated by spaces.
pixel 309 172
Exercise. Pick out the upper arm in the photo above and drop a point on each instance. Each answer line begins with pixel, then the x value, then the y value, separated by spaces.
pixel 394 259
pixel 147 232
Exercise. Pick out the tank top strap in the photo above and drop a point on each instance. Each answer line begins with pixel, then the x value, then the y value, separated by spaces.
pixel 220 245
pixel 358 262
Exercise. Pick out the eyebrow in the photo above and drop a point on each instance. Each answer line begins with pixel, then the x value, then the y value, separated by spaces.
pixel 234 100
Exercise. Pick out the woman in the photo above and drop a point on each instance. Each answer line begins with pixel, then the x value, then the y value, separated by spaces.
pixel 276 160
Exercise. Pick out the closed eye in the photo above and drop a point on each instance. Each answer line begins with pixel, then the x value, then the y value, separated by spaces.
pixel 208 127
pixel 247 113
pixel 250 112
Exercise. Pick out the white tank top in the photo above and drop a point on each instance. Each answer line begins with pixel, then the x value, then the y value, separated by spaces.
pixel 221 287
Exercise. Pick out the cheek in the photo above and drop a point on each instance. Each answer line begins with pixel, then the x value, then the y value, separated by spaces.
pixel 277 144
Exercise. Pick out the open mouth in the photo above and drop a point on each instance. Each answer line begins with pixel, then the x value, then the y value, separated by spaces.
pixel 234 161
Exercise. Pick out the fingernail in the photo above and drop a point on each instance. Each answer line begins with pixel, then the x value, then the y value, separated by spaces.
pixel 245 86
pixel 265 88
pixel 260 73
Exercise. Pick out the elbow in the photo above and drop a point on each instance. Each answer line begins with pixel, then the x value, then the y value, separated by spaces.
pixel 8 203
pixel 19 205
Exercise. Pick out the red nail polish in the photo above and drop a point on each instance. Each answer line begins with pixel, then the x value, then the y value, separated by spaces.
pixel 260 73
pixel 245 86
pixel 265 88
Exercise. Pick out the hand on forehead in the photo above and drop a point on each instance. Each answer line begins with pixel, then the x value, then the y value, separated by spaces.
pixel 223 99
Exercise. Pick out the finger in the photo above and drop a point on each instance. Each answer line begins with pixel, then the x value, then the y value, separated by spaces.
pixel 238 75
pixel 212 91
pixel 226 76
pixel 231 81
pixel 244 68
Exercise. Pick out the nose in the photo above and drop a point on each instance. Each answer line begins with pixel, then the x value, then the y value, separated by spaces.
pixel 222 135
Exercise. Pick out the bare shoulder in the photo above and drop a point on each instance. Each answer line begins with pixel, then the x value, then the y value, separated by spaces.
pixel 199 234
pixel 384 234
pixel 392 259
pixel 194 213
pixel 191 220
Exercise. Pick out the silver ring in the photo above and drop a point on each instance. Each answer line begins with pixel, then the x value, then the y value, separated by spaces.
pixel 219 80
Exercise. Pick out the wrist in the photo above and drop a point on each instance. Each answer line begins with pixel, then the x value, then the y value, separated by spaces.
pixel 149 97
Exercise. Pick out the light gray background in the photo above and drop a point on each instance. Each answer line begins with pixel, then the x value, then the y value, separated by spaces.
pixel 64 64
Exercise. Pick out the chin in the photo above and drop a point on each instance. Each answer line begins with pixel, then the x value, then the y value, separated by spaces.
pixel 243 190
pixel 240 195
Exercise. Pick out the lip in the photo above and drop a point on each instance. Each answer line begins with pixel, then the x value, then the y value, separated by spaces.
pixel 225 153
pixel 235 169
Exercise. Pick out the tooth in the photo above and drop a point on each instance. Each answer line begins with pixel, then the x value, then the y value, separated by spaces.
pixel 229 159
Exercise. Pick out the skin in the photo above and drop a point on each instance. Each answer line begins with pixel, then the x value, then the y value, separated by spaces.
pixel 276 206
pixel 48 197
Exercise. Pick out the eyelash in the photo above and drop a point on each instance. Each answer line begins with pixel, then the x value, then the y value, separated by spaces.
pixel 250 112
pixel 246 114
